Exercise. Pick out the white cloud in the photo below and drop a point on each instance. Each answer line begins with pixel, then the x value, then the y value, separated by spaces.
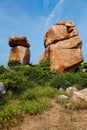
pixel 55 13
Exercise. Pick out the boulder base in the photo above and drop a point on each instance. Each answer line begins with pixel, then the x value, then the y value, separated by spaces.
pixel 21 54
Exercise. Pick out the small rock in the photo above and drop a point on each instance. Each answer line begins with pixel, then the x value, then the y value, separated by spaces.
pixel 70 106
pixel 2 89
pixel 70 90
pixel 61 89
pixel 63 97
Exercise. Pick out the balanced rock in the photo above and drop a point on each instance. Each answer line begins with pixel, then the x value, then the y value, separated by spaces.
pixel 63 47
pixel 20 50
pixel 18 41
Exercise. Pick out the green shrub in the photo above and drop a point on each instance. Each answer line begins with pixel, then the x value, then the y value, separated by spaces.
pixel 2 69
pixel 63 80
pixel 14 81
pixel 13 63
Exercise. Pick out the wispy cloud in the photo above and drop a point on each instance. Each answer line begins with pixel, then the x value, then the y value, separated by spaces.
pixel 55 13
pixel 46 3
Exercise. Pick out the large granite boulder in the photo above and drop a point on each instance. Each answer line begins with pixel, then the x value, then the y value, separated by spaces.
pixel 63 47
pixel 20 50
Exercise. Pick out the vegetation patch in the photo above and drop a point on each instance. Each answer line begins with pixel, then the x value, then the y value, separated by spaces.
pixel 30 90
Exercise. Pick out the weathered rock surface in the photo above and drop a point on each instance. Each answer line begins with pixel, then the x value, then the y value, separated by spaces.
pixel 84 91
pixel 70 90
pixel 72 43
pixel 81 95
pixel 69 23
pixel 46 55
pixel 21 54
pixel 62 59
pixel 78 96
pixel 18 41
pixel 54 34
pixel 63 47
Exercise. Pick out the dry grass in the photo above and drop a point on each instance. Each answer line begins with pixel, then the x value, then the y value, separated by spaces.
pixel 57 118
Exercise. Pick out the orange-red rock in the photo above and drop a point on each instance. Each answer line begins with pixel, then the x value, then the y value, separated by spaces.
pixel 46 55
pixel 64 47
pixel 74 42
pixel 54 34
pixel 69 23
pixel 21 54
pixel 59 32
pixel 65 59
pixel 18 41
pixel 60 23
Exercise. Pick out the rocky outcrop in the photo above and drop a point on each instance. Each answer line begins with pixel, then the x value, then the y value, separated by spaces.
pixel 63 47
pixel 20 50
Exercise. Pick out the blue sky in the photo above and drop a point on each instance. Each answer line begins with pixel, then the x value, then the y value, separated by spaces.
pixel 32 18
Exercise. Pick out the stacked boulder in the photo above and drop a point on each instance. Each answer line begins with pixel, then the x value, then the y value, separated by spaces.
pixel 63 47
pixel 20 50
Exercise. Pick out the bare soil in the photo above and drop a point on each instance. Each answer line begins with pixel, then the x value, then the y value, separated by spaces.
pixel 56 118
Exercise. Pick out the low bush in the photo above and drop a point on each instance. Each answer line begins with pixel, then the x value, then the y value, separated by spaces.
pixel 13 63
pixel 13 81
pixel 47 91
pixel 63 80
pixel 2 69
pixel 11 115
